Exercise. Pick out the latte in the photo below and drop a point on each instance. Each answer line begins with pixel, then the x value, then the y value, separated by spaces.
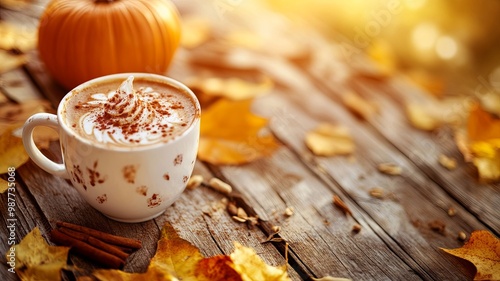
pixel 134 112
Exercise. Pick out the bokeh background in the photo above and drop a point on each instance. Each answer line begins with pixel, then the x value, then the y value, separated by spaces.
pixel 448 47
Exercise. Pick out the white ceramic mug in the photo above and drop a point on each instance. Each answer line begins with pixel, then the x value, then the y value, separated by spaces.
pixel 160 170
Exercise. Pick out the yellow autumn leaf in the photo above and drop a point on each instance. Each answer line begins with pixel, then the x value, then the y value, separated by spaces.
pixel 481 125
pixel 252 268
pixel 483 135
pixel 329 140
pixel 153 274
pixel 175 254
pixel 231 134
pixel 37 260
pixel 4 185
pixel 12 118
pixel 12 153
pixel 483 250
pixel 177 259
pixel 359 105
pixel 422 117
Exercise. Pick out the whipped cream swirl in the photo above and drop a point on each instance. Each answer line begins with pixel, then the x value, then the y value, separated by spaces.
pixel 130 117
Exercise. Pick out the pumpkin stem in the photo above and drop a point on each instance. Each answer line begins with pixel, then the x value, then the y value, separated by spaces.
pixel 104 1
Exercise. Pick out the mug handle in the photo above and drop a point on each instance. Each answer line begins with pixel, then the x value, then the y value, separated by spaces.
pixel 48 120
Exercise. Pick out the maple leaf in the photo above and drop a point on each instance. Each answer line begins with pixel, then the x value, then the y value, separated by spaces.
pixel 483 250
pixel 37 260
pixel 328 140
pixel 231 134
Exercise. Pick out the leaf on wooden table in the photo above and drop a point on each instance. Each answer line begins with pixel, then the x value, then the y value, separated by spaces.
pixel 359 106
pixel 37 260
pixel 177 259
pixel 231 134
pixel 433 113
pixel 232 88
pixel 12 153
pixel 483 135
pixel 12 118
pixel 422 117
pixel 483 250
pixel 251 267
pixel 329 140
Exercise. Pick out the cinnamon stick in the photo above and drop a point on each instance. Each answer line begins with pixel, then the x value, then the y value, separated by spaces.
pixel 95 242
pixel 86 250
pixel 103 236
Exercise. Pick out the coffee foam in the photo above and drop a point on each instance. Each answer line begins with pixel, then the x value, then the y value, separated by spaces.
pixel 131 114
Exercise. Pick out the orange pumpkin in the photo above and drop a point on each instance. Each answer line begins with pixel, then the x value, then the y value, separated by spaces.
pixel 82 39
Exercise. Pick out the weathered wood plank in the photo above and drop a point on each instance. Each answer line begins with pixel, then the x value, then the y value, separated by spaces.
pixel 423 148
pixel 318 233
pixel 32 9
pixel 417 200
pixel 17 86
pixel 213 235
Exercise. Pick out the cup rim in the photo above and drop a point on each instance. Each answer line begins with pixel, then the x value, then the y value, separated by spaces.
pixel 123 76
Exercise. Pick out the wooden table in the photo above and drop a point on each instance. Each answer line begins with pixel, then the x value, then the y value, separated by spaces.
pixel 396 241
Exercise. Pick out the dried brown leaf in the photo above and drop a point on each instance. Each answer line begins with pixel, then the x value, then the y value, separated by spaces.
pixel 232 88
pixel 483 250
pixel 483 136
pixel 12 153
pixel 359 105
pixel 4 185
pixel 447 162
pixel 341 205
pixel 329 140
pixel 390 169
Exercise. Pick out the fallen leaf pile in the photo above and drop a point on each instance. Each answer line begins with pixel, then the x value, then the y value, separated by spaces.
pixel 12 118
pixel 483 250
pixel 175 259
